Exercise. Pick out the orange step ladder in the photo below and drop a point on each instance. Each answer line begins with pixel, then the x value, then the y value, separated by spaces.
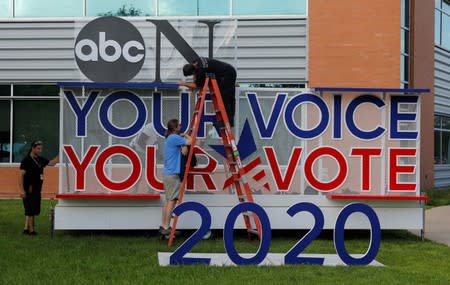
pixel 235 166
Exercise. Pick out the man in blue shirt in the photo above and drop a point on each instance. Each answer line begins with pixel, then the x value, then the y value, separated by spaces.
pixel 173 147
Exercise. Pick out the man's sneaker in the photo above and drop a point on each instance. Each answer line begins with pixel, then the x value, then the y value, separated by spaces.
pixel 166 232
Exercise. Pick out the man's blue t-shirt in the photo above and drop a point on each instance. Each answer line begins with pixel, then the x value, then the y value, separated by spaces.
pixel 172 154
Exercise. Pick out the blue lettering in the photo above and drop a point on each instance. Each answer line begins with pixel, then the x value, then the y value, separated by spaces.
pixel 266 130
pixel 81 112
pixel 128 131
pixel 349 117
pixel 397 116
pixel 292 125
pixel 158 116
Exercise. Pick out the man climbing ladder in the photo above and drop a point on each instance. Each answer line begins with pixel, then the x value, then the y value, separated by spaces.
pixel 235 165
pixel 225 75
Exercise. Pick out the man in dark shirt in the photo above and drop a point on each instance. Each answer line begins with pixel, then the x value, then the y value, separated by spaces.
pixel 225 76
pixel 31 179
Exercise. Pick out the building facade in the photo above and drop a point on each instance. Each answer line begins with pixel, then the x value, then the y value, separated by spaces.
pixel 298 44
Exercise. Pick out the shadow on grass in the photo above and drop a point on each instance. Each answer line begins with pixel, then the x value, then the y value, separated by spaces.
pixel 326 235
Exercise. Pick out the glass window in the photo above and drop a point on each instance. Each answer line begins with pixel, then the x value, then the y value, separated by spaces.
pixel 4 130
pixel 36 90
pixel 404 68
pixel 437 122
pixel 437 147
pixel 445 123
pixel 5 90
pixel 403 15
pixel 269 7
pixel 405 41
pixel 437 27
pixel 219 8
pixel 48 8
pixel 445 147
pixel 193 7
pixel 35 120
pixel 121 7
pixel 441 140
pixel 437 3
pixel 5 8
pixel 178 8
pixel 446 5
pixel 445 41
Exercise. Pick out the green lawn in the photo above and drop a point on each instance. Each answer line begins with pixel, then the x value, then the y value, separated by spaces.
pixel 131 258
pixel 438 197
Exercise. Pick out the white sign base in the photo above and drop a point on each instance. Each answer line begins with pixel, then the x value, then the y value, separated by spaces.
pixel 272 259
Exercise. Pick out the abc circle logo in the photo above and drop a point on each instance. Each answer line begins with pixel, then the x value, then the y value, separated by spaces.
pixel 109 49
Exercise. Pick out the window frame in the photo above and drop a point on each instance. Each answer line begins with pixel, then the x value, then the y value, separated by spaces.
pixel 11 99
pixel 441 11
pixel 12 12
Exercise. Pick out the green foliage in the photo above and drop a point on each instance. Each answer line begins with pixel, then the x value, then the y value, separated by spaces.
pixel 438 197
pixel 124 11
pixel 99 257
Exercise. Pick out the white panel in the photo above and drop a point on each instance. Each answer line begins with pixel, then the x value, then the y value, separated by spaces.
pixel 73 214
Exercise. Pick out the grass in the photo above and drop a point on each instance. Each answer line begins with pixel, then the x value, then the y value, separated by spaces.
pixel 86 257
pixel 438 197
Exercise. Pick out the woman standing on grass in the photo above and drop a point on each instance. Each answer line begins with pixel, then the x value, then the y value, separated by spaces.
pixel 31 179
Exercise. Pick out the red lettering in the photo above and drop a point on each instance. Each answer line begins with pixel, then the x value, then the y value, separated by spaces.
pixel 130 181
pixel 283 183
pixel 154 182
pixel 80 166
pixel 395 169
pixel 204 172
pixel 366 154
pixel 342 170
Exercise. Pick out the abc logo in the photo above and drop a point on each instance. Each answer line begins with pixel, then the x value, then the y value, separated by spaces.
pixel 109 49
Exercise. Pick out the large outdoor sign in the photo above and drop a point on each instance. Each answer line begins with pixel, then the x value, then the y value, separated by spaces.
pixel 293 142
pixel 301 149
pixel 301 142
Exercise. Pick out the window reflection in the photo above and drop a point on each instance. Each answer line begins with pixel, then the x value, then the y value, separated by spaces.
pixel 4 131
pixel 5 8
pixel 178 8
pixel 445 31
pixel 35 119
pixel 442 140
pixel 120 8
pixel 269 7
pixel 80 8
pixel 48 8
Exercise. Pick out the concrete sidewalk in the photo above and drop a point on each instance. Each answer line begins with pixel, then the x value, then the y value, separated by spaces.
pixel 437 225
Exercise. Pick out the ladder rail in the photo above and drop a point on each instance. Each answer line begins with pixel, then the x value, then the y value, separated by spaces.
pixel 194 126
pixel 233 154
pixel 233 158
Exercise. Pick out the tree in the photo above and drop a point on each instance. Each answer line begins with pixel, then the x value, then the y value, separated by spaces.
pixel 124 11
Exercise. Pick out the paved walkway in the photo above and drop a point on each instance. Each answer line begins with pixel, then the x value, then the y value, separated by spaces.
pixel 437 225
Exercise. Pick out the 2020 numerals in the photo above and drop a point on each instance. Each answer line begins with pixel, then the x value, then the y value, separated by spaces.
pixel 292 256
